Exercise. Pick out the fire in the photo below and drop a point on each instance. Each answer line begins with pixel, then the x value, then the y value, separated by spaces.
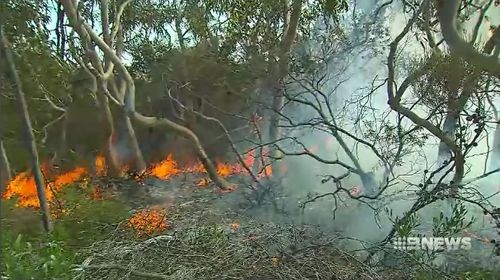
pixel 165 169
pixel 68 178
pixel 234 227
pixel 148 221
pixel 100 165
pixel 355 191
pixel 24 187
pixel 169 167
pixel 202 183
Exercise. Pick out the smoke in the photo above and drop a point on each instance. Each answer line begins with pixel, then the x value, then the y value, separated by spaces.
pixel 350 71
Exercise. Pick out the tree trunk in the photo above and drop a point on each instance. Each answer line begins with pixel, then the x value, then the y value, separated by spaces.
pixel 30 138
pixel 495 152
pixel 125 146
pixel 278 91
pixel 444 152
pixel 275 130
pixel 112 167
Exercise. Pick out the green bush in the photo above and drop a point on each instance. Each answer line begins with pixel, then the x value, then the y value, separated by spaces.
pixel 23 259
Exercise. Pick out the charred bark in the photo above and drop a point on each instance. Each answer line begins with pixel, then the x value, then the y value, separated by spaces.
pixel 30 138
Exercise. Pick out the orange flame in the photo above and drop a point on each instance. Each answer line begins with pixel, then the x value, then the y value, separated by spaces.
pixel 169 167
pixel 148 221
pixel 23 186
pixel 165 169
pixel 100 165
pixel 234 227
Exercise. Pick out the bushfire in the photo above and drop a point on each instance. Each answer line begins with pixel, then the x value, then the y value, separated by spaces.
pixel 23 185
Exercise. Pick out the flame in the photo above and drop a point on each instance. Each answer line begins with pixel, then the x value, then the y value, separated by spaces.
pixel 68 178
pixel 148 221
pixel 169 167
pixel 202 183
pixel 234 227
pixel 23 186
pixel 165 169
pixel 100 165
pixel 355 191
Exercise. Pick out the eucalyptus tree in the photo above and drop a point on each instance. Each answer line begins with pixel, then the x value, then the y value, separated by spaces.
pixel 28 131
pixel 261 33
pixel 447 92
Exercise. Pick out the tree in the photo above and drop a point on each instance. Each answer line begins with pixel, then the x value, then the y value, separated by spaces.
pixel 447 12
pixel 449 79
pixel 28 130
pixel 121 90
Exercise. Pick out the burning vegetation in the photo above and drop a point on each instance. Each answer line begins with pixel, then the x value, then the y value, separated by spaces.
pixel 149 221
pixel 23 188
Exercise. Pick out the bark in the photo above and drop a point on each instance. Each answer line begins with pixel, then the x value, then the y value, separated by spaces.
pixel 30 138
pixel 495 154
pixel 125 146
pixel 112 166
pixel 278 90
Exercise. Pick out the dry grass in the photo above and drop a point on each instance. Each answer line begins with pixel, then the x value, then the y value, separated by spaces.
pixel 209 242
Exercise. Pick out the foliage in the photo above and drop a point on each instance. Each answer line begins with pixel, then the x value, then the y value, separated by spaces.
pixel 42 73
pixel 38 259
pixel 28 254
pixel 446 226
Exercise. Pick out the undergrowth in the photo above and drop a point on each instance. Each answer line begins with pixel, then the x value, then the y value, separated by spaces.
pixel 200 245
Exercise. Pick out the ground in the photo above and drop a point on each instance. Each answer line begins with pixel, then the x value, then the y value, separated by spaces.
pixel 178 229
